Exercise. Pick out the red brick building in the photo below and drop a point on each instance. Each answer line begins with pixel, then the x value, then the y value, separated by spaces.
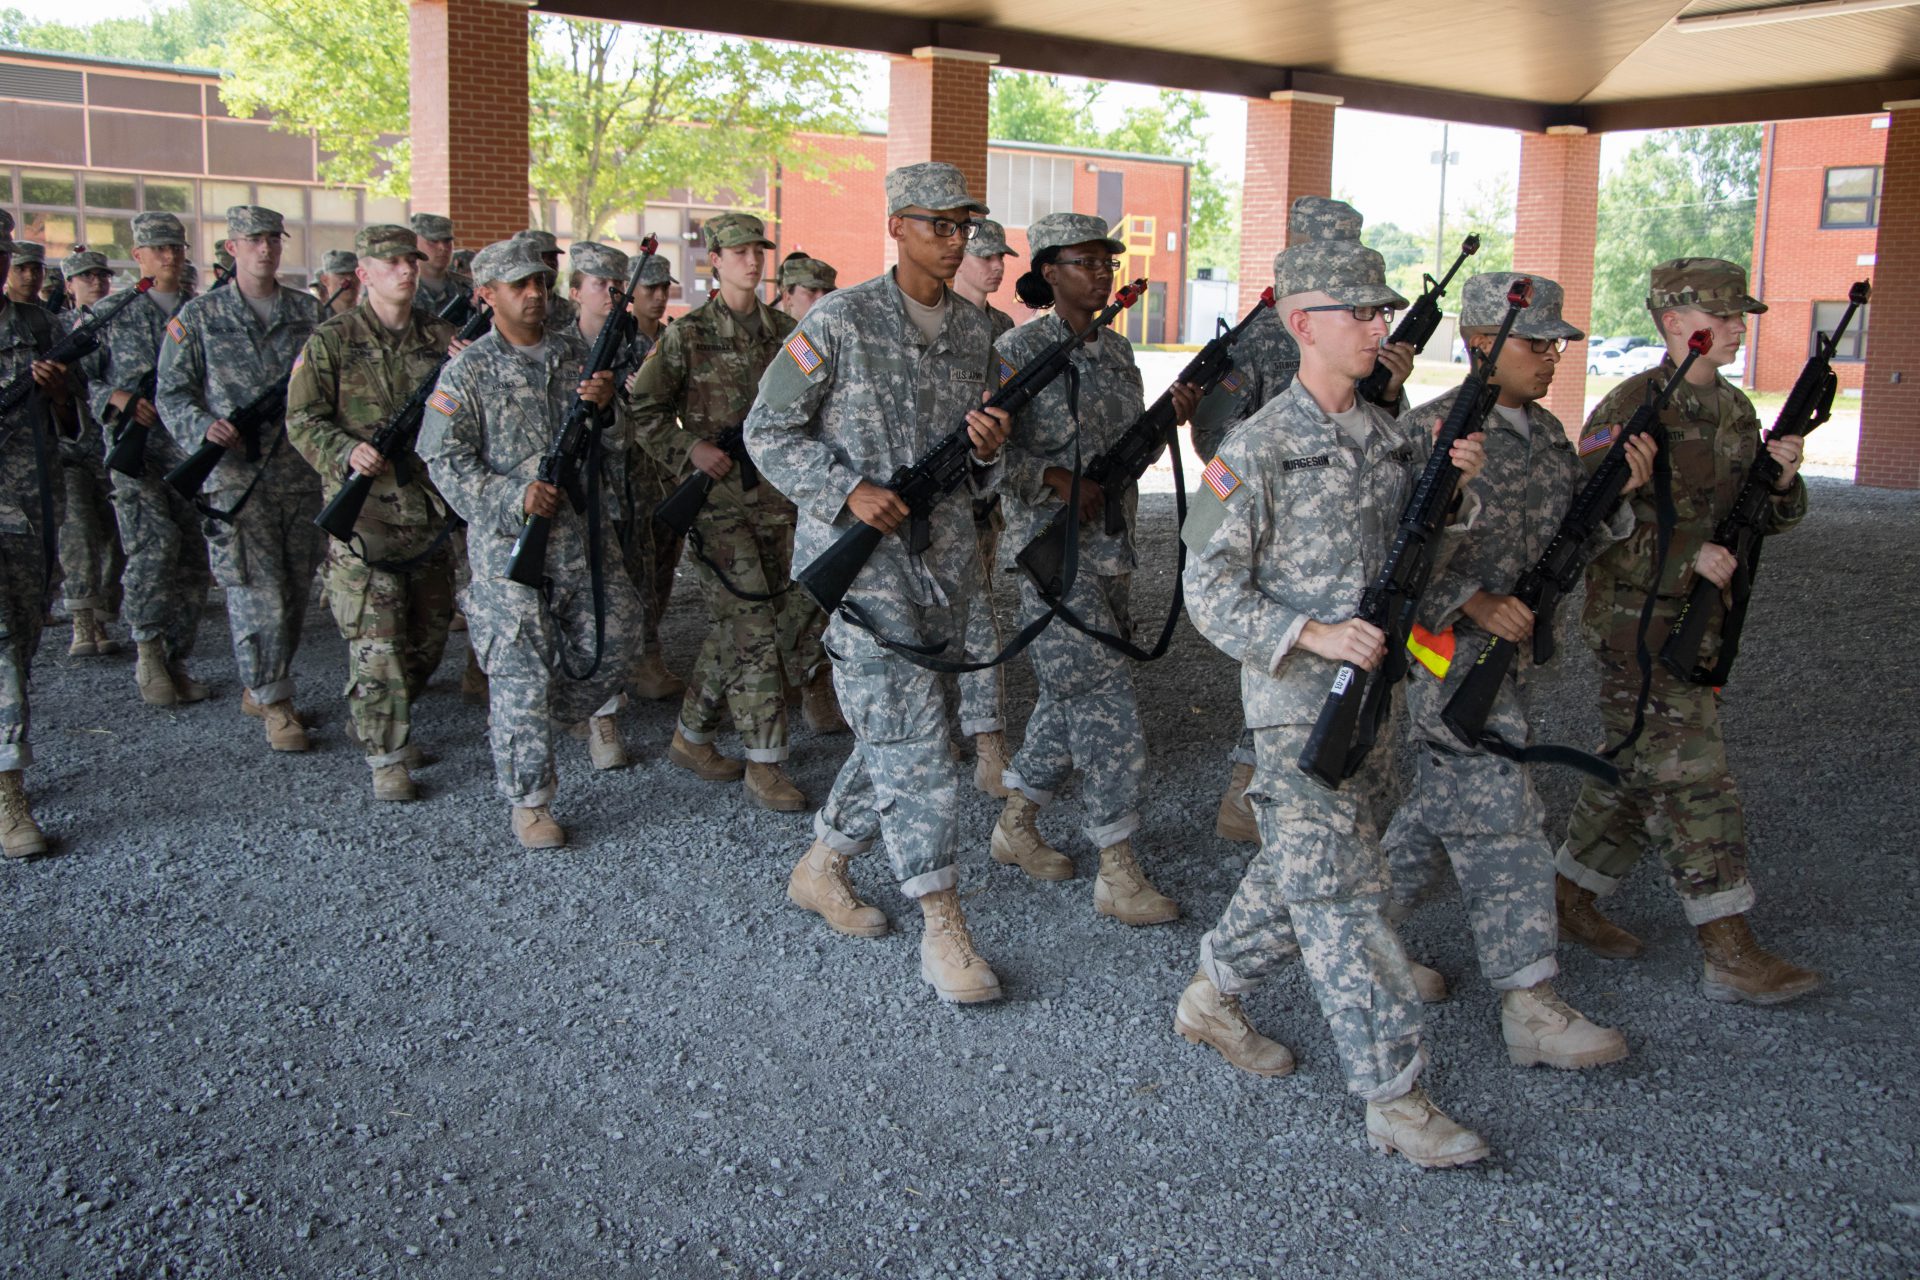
pixel 1815 233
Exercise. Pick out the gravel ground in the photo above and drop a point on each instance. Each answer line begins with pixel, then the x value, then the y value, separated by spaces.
pixel 254 1027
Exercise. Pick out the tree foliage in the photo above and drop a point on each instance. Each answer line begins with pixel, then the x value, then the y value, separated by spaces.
pixel 189 34
pixel 1410 254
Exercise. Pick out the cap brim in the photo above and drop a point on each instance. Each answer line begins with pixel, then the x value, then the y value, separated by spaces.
pixel 159 244
pixel 1366 295
pixel 1556 329
pixel 415 254
pixel 516 273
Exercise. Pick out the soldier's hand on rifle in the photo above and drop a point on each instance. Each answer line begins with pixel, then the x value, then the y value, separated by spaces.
pixel 713 460
pixel 877 506
pixel 1641 451
pixel 1186 398
pixel 1397 358
pixel 541 500
pixel 1469 456
pixel 598 389
pixel 224 434
pixel 1092 496
pixel 145 414
pixel 1360 643
pixel 1716 564
pixel 367 460
pixel 1502 616
pixel 1786 451
pixel 988 428
pixel 51 377
pixel 456 345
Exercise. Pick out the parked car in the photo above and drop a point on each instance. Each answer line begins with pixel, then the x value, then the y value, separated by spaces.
pixel 1622 357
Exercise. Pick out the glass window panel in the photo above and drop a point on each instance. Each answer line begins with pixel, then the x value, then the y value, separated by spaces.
pixel 1062 184
pixel 1848 213
pixel 212 234
pixel 626 226
pixel 326 238
pixel 289 202
pixel 335 206
pixel 54 230
pixel 112 236
pixel 1853 344
pixel 293 250
pixel 167 195
pixel 217 197
pixel 1850 182
pixel 109 193
pixel 385 209
pixel 39 187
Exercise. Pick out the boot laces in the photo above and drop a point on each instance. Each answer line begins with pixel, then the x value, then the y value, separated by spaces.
pixel 953 926
pixel 604 731
pixel 838 890
pixel 1550 999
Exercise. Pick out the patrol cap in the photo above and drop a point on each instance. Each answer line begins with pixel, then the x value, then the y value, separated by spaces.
pixel 507 261
pixel 245 220
pixel 388 240
pixel 338 262
pixel 989 239
pixel 1712 285
pixel 83 260
pixel 151 230
pixel 26 251
pixel 431 226
pixel 1483 305
pixel 6 232
pixel 730 230
pixel 542 241
pixel 931 184
pixel 657 271
pixel 808 273
pixel 1058 230
pixel 1323 218
pixel 1345 270
pixel 604 261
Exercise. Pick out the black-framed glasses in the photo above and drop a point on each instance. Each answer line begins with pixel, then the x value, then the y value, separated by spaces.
pixel 944 227
pixel 1540 346
pixel 1093 266
pixel 1364 314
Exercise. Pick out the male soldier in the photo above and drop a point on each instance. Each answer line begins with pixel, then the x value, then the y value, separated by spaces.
pixel 1478 809
pixel 488 425
pixel 90 556
pixel 28 274
pixel 983 693
pixel 55 297
pixel 1291 523
pixel 652 551
pixel 803 281
pixel 693 388
pixel 224 351
pixel 873 378
pixel 166 577
pixel 1264 362
pixel 391 587
pixel 559 310
pixel 433 236
pixel 337 286
pixel 1676 790
pixel 30 497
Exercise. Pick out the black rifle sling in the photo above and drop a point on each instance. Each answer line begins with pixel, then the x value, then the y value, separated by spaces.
pixel 232 514
pixel 358 546
pixel 698 545
pixel 596 568
pixel 43 472
pixel 1665 518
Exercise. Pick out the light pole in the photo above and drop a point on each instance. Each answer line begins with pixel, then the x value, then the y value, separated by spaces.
pixel 1443 158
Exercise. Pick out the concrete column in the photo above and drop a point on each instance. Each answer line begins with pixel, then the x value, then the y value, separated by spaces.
pixel 937 110
pixel 1289 155
pixel 1554 226
pixel 1890 398
pixel 468 86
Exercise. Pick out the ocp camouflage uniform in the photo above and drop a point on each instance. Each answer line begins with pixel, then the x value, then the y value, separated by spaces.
pixel 488 425
pixel 651 550
pixel 433 296
pixel 1676 790
pixel 26 434
pixel 854 394
pixel 1085 714
pixel 352 376
pixel 91 559
pixel 697 383
pixel 982 693
pixel 217 359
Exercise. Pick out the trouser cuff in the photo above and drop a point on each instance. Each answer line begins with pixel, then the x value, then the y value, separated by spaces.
pixel 385 758
pixel 611 707
pixel 97 603
pixel 273 691
pixel 974 728
pixel 534 798
pixel 1107 834
pixel 1010 779
pixel 947 877
pixel 1541 970
pixel 696 736
pixel 1401 1084
pixel 1718 906
pixel 1223 977
pixel 1586 877
pixel 15 755
pixel 768 755
pixel 835 840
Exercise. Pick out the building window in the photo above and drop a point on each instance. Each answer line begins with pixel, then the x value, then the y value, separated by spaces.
pixel 1022 189
pixel 1853 343
pixel 1852 197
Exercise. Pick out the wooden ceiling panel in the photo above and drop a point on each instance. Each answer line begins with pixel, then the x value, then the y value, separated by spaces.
pixel 1860 46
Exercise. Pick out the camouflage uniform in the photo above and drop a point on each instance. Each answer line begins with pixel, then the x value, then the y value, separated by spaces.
pixel 801 623
pixel 217 358
pixel 651 550
pixel 1479 810
pixel 350 378
pixel 698 382
pixel 91 559
pixel 853 394
pixel 488 425
pixel 1676 790
pixel 337 296
pixel 430 295
pixel 166 576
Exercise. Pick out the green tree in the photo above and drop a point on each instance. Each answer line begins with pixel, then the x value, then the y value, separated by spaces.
pixel 1679 193
pixel 1024 107
pixel 189 34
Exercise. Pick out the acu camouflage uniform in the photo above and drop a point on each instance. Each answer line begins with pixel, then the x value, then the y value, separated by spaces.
pixel 651 550
pixel 488 425
pixel 1676 790
pixel 983 693
pixel 392 612
pixel 26 333
pixel 91 559
pixel 855 393
pixel 695 385
pixel 217 358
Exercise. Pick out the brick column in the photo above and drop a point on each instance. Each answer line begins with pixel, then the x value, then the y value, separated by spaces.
pixel 468 82
pixel 937 110
pixel 1558 206
pixel 1289 155
pixel 1889 455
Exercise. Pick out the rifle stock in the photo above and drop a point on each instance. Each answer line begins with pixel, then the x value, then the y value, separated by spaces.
pixel 1418 325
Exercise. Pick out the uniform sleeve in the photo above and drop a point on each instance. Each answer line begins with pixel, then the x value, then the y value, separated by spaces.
pixel 313 398
pixel 452 442
pixel 1225 538
pixel 1787 509
pixel 180 384
pixel 781 429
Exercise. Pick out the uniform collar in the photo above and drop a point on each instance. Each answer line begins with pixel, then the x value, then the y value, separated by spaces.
pixel 910 332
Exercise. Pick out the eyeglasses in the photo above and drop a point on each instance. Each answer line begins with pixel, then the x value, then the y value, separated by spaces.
pixel 1363 314
pixel 944 227
pixel 1541 346
pixel 1092 266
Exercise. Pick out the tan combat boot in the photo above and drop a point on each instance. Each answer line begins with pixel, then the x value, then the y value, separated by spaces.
pixel 90 638
pixel 1581 921
pixel 1206 1016
pixel 1412 1126
pixel 819 707
pixel 185 687
pixel 20 835
pixel 393 782
pixel 947 958
pixel 1235 819
pixel 1428 982
pixel 654 682
pixel 768 786
pixel 1123 891
pixel 535 828
pixel 1541 1029
pixel 248 707
pixel 1739 968
pixel 473 682
pixel 819 884
pixel 989 762
pixel 604 747
pixel 1016 841
pixel 151 675
pixel 284 730
pixel 703 760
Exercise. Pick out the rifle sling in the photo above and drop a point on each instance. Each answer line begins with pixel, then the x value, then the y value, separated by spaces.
pixel 232 514
pixel 698 545
pixel 596 570
pixel 358 547
pixel 1550 753
pixel 1665 518
pixel 44 460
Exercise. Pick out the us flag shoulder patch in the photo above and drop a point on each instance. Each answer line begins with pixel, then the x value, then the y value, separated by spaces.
pixel 176 330
pixel 803 353
pixel 1221 479
pixel 1006 371
pixel 298 361
pixel 1233 381
pixel 443 402
pixel 1597 439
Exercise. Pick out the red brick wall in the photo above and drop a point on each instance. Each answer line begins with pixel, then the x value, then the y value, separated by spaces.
pixel 1554 228
pixel 468 81
pixel 937 110
pixel 1889 410
pixel 1289 154
pixel 1803 264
